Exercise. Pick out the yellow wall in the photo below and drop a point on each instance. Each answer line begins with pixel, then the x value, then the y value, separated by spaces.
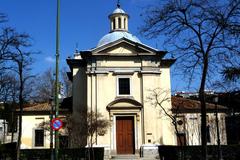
pixel 29 124
pixel 150 125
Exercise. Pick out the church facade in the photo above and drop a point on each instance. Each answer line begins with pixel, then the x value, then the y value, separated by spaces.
pixel 116 79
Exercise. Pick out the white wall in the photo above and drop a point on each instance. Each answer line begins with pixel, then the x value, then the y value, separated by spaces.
pixel 193 128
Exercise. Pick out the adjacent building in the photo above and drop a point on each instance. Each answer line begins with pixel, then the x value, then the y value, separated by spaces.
pixel 188 116
pixel 36 126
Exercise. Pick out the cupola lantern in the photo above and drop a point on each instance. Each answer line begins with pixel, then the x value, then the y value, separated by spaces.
pixel 118 20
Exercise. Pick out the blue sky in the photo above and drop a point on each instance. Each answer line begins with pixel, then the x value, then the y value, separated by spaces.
pixel 83 22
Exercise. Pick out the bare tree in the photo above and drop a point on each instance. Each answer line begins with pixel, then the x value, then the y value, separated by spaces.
pixel 96 124
pixel 8 87
pixel 158 97
pixel 18 60
pixel 44 86
pixel 8 96
pixel 67 84
pixel 92 124
pixel 204 34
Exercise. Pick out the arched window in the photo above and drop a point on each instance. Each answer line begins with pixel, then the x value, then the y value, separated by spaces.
pixel 119 23
pixel 124 23
pixel 114 24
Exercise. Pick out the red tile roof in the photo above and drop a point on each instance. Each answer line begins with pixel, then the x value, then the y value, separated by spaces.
pixel 38 107
pixel 185 105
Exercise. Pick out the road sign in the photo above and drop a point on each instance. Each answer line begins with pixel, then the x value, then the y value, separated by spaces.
pixel 56 124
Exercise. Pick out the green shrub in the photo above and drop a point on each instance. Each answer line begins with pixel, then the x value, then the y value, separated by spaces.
pixel 229 152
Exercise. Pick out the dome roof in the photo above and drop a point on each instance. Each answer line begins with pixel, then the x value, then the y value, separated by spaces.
pixel 118 10
pixel 113 36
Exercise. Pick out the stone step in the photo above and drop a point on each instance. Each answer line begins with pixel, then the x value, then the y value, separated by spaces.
pixel 122 157
pixel 132 157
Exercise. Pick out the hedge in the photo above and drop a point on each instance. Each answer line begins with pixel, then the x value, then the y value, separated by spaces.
pixel 229 152
pixel 96 153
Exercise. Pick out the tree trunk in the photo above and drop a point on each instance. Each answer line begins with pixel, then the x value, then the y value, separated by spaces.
pixel 203 109
pixel 182 152
pixel 5 115
pixel 203 125
pixel 12 121
pixel 21 111
pixel 19 134
pixel 4 130
pixel 218 134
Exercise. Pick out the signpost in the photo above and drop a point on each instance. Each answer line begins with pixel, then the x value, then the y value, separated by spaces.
pixel 57 81
pixel 56 124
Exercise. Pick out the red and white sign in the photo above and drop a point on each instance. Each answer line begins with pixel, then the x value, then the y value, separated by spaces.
pixel 56 124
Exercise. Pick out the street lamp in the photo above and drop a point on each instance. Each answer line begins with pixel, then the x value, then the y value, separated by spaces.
pixel 215 100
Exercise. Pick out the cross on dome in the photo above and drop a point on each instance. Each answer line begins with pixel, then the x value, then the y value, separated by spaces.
pixel 118 3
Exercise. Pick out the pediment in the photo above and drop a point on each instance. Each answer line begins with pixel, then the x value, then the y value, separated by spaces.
pixel 124 103
pixel 121 49
pixel 124 47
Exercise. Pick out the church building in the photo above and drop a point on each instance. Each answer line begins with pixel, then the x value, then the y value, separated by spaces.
pixel 116 79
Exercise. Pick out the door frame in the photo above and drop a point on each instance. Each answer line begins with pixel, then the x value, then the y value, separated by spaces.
pixel 135 129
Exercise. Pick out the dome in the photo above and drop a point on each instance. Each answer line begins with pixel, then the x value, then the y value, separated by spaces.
pixel 113 36
pixel 118 10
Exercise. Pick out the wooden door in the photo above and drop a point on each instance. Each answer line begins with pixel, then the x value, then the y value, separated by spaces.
pixel 125 135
